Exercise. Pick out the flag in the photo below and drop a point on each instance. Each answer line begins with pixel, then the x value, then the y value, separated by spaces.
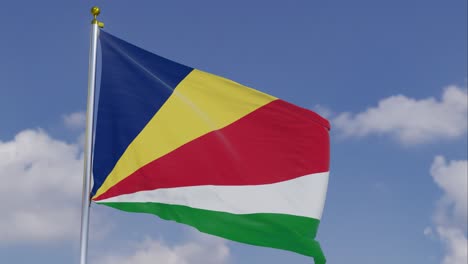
pixel 205 151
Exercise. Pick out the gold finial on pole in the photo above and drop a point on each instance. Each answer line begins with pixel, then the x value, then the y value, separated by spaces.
pixel 95 11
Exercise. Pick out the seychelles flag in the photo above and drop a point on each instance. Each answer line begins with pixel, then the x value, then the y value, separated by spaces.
pixel 202 150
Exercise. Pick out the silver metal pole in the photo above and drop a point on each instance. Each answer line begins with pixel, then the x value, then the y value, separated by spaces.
pixel 89 138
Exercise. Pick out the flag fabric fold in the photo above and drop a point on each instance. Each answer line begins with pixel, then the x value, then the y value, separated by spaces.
pixel 202 150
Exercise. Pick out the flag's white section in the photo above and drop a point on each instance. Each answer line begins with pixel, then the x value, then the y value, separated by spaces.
pixel 304 196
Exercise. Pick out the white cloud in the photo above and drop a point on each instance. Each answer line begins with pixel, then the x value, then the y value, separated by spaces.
pixel 75 120
pixel 202 249
pixel 456 245
pixel 410 120
pixel 450 216
pixel 40 188
pixel 452 178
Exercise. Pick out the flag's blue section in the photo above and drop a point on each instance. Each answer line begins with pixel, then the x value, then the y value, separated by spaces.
pixel 122 114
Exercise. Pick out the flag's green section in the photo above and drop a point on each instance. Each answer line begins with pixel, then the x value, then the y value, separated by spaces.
pixel 288 232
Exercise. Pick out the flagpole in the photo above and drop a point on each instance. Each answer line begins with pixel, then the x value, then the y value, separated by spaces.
pixel 89 138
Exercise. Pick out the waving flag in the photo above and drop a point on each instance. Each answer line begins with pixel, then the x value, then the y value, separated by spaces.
pixel 201 150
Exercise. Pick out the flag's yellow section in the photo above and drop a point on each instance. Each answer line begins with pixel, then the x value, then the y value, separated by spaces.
pixel 201 103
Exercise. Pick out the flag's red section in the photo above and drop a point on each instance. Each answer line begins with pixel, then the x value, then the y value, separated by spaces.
pixel 254 150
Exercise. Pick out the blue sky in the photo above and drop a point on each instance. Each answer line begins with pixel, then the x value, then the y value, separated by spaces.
pixel 390 75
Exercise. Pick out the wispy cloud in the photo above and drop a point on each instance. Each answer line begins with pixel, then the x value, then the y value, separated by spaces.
pixel 194 251
pixel 410 120
pixel 75 120
pixel 323 111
